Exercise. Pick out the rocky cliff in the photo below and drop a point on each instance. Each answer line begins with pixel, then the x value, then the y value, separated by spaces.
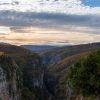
pixel 32 71
pixel 9 79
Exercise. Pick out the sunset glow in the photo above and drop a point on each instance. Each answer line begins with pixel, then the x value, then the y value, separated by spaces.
pixel 49 22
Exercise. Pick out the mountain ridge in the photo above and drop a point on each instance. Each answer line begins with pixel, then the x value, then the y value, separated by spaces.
pixel 44 74
pixel 39 48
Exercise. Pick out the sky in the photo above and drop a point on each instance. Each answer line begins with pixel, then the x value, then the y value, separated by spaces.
pixel 54 22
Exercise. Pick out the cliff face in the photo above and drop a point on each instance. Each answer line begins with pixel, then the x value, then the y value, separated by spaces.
pixel 9 81
pixel 32 73
pixel 3 85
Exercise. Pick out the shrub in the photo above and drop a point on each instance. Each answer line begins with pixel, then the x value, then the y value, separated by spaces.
pixel 84 75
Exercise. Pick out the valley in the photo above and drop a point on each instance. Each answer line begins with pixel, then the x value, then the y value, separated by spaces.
pixel 38 76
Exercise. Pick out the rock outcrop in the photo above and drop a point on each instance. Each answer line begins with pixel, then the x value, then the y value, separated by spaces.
pixel 9 81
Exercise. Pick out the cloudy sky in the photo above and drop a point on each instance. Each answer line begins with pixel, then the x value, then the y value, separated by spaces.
pixel 49 21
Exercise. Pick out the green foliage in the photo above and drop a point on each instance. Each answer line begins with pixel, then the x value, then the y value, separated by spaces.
pixel 84 75
pixel 29 67
pixel 8 65
pixel 27 94
pixel 10 69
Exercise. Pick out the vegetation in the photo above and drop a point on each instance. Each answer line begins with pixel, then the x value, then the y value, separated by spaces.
pixel 27 94
pixel 84 75
pixel 52 83
pixel 29 68
pixel 8 65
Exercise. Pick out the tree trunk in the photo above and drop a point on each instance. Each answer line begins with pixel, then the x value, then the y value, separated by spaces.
pixel 98 98
pixel 81 97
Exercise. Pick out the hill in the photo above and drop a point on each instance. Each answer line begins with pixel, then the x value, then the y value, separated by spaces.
pixel 13 50
pixel 57 54
pixel 44 74
pixel 39 48
pixel 58 62
pixel 30 65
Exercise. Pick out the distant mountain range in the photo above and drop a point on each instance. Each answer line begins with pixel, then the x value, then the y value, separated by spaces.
pixel 39 48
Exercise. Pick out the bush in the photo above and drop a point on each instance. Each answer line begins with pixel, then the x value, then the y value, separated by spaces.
pixel 27 94
pixel 84 75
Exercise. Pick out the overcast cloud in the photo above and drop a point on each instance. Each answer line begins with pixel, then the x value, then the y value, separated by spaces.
pixel 75 16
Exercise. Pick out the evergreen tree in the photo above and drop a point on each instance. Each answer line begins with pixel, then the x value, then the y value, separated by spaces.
pixel 84 75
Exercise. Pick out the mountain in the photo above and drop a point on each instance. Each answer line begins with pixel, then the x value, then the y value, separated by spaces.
pixel 31 67
pixel 58 62
pixel 39 76
pixel 39 48
pixel 57 54
pixel 13 50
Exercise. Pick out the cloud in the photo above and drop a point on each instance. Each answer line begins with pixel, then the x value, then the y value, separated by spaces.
pixel 30 38
pixel 17 21
pixel 47 18
pixel 54 14
pixel 59 6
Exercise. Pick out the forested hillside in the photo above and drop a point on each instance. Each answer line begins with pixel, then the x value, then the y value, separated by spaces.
pixel 40 76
